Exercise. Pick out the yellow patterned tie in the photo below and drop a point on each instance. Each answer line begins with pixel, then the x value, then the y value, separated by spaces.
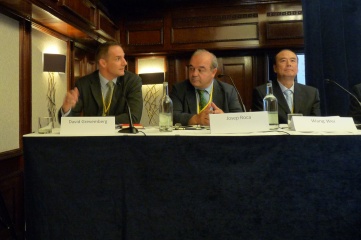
pixel 108 97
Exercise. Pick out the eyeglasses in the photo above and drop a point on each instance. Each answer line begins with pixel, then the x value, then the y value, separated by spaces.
pixel 200 69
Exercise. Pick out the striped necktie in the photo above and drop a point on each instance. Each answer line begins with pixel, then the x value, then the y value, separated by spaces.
pixel 202 99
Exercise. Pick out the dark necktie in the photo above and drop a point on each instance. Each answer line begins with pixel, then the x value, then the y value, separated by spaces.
pixel 202 99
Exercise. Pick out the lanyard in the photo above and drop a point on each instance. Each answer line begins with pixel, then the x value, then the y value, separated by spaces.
pixel 209 101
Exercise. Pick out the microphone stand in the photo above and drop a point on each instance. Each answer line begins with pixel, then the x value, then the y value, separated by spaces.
pixel 358 126
pixel 352 95
pixel 234 85
pixel 131 128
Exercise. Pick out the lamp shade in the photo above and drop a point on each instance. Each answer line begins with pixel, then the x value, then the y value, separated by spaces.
pixel 152 78
pixel 54 62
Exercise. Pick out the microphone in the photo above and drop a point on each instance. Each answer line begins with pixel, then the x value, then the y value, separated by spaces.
pixel 234 85
pixel 352 95
pixel 131 128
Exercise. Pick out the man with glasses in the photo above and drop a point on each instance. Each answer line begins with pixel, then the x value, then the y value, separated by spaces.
pixel 201 94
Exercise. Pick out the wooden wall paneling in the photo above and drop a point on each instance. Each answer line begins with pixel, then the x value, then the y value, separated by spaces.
pixel 25 79
pixel 83 9
pixel 207 34
pixel 215 30
pixel 260 69
pixel 284 25
pixel 170 75
pixel 77 69
pixel 216 27
pixel 90 66
pixel 240 70
pixel 177 70
pixel 70 64
pixel 144 34
pixel 167 26
pixel 81 20
pixel 284 30
pixel 149 37
pixel 182 69
pixel 50 21
pixel 12 190
pixel 19 8
pixel 131 63
pixel 106 28
pixel 84 62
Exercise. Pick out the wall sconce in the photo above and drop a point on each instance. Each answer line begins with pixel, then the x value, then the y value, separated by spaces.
pixel 151 95
pixel 53 63
pixel 152 78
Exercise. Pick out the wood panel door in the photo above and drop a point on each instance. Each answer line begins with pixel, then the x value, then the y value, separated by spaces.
pixel 240 69
pixel 84 63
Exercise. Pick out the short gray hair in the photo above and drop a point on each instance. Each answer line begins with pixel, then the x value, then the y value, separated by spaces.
pixel 214 62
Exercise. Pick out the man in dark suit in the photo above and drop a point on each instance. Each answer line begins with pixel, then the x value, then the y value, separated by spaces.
pixel 106 91
pixel 303 99
pixel 200 95
pixel 355 108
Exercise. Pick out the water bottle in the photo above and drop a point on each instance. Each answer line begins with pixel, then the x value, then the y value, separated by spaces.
pixel 270 104
pixel 166 111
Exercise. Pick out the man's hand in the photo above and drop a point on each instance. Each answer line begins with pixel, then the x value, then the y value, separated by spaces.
pixel 216 110
pixel 202 118
pixel 71 98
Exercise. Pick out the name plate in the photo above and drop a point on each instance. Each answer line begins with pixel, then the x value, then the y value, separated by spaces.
pixel 322 124
pixel 239 122
pixel 80 126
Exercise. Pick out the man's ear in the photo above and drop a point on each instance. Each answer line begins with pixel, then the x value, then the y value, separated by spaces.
pixel 274 68
pixel 214 72
pixel 102 62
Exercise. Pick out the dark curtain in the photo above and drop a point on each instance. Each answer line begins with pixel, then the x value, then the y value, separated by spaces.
pixel 332 30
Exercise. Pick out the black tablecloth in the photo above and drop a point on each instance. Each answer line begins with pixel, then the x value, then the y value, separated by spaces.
pixel 130 187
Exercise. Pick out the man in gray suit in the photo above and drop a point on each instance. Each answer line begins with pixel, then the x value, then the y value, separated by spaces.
pixel 304 99
pixel 107 91
pixel 200 95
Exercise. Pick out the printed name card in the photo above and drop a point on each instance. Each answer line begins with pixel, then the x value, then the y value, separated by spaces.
pixel 322 124
pixel 239 122
pixel 80 126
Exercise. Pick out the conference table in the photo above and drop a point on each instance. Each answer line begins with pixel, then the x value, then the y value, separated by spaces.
pixel 191 184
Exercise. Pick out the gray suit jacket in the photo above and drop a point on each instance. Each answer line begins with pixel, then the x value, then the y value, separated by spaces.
pixel 306 100
pixel 90 103
pixel 184 100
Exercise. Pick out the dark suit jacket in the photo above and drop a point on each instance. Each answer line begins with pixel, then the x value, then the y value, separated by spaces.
pixel 355 108
pixel 306 100
pixel 90 101
pixel 185 101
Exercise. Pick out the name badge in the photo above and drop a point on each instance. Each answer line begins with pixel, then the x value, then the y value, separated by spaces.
pixel 80 126
pixel 239 122
pixel 322 124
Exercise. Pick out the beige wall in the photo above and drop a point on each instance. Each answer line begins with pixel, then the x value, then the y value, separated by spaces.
pixel 44 43
pixel 9 84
